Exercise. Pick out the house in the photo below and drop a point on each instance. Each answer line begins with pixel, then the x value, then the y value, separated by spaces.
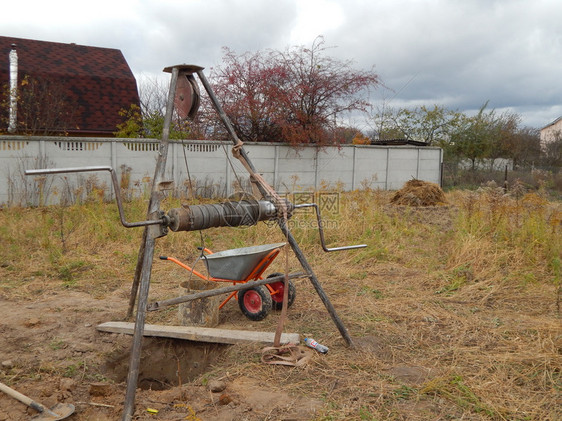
pixel 551 132
pixel 64 89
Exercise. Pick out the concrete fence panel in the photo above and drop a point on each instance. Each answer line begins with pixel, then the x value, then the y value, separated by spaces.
pixel 210 166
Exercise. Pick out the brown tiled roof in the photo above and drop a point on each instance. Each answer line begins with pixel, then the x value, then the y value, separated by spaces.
pixel 98 80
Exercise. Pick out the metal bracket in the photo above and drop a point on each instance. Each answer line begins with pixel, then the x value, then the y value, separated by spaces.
pixel 164 220
pixel 321 230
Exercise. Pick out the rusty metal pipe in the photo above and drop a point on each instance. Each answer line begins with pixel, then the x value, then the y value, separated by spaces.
pixel 147 257
pixel 157 305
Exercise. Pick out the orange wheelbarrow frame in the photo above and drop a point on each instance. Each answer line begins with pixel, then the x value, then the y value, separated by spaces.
pixel 275 289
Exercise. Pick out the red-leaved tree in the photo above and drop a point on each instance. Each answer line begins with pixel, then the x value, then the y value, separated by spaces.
pixel 293 96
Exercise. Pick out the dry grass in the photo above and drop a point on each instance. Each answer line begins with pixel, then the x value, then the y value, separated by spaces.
pixel 419 193
pixel 455 310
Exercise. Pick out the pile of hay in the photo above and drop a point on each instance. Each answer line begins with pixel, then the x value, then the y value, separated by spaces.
pixel 419 193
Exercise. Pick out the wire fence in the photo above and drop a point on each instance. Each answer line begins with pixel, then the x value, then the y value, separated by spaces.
pixel 545 178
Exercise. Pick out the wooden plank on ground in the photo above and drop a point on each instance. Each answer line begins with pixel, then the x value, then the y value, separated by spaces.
pixel 200 334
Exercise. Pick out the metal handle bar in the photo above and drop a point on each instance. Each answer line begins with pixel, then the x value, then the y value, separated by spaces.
pixel 321 230
pixel 157 305
pixel 48 171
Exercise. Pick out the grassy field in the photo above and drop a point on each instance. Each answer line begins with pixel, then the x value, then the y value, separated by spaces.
pixel 454 310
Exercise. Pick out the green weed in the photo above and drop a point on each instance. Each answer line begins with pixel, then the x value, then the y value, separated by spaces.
pixel 67 272
pixel 56 344
pixel 366 415
pixel 365 290
pixel 404 392
pixel 456 390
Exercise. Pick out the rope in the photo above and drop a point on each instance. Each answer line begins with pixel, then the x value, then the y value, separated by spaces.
pixel 232 166
pixel 292 355
pixel 188 175
pixel 203 255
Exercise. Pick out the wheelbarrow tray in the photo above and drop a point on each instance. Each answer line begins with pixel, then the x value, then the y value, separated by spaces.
pixel 237 264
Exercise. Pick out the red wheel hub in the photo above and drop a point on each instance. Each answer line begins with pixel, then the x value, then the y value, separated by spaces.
pixel 252 301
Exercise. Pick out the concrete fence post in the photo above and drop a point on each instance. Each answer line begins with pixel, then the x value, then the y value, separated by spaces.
pixel 316 169
pixel 386 168
pixel 276 167
pixel 227 176
pixel 418 166
pixel 353 169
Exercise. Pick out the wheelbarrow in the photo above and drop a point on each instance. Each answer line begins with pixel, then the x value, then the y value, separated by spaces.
pixel 243 265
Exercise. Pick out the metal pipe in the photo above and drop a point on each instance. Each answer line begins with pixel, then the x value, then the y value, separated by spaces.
pixel 315 283
pixel 114 181
pixel 148 255
pixel 321 230
pixel 157 305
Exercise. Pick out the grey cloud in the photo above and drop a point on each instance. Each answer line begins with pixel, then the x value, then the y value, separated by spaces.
pixel 461 54
pixel 457 53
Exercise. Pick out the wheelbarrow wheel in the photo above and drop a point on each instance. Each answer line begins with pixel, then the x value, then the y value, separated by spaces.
pixel 255 303
pixel 279 287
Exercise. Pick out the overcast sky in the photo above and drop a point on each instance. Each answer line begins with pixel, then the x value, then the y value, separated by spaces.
pixel 454 53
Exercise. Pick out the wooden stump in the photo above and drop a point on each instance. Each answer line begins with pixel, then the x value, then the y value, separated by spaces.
pixel 201 312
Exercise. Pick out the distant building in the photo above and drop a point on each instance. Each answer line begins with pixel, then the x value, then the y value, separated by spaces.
pixel 551 132
pixel 64 89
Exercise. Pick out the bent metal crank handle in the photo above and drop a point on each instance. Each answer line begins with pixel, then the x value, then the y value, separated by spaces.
pixel 48 171
pixel 321 230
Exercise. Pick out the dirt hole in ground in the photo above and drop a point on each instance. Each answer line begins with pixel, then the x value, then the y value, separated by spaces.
pixel 164 363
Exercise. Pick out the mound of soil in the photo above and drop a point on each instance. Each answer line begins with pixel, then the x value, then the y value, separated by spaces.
pixel 419 193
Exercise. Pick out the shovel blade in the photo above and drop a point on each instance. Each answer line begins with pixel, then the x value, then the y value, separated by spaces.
pixel 58 412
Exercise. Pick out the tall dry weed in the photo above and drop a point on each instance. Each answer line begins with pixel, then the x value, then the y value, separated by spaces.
pixel 505 239
pixel 461 296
